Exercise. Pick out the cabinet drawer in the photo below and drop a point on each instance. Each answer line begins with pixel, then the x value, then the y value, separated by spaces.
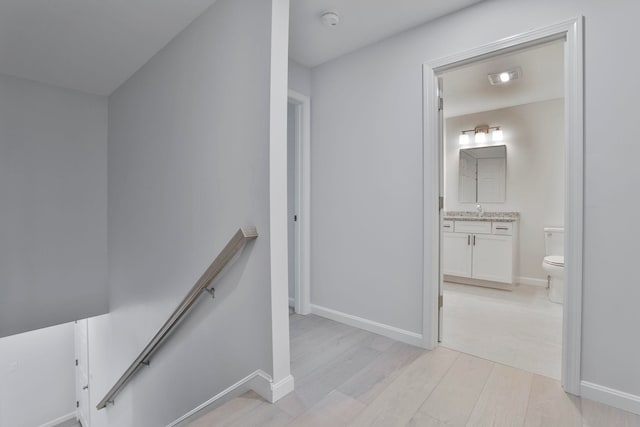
pixel 482 227
pixel 502 228
pixel 447 225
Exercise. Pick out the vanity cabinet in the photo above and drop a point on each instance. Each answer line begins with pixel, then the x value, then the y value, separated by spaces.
pixel 480 250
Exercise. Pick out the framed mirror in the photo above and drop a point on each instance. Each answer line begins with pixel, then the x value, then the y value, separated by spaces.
pixel 482 174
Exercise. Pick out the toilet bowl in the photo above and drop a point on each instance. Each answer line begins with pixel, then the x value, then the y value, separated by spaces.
pixel 553 262
pixel 553 265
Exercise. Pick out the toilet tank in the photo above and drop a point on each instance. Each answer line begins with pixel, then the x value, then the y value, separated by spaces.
pixel 554 241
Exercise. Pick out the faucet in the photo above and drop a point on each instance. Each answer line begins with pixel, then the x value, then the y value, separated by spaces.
pixel 479 209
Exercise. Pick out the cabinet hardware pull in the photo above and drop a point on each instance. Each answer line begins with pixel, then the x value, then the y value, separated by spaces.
pixel 474 240
pixel 501 228
pixel 468 239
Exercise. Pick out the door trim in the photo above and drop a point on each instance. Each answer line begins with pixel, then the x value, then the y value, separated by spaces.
pixel 302 300
pixel 572 31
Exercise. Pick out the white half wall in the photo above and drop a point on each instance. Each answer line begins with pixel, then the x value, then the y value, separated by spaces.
pixel 534 136
pixel 53 220
pixel 37 376
pixel 189 156
pixel 367 173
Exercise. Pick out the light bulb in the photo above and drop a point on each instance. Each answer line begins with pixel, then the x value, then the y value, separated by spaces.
pixel 480 137
pixel 463 139
pixel 496 135
pixel 504 77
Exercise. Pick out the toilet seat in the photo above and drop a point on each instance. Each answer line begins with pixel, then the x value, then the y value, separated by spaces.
pixel 557 260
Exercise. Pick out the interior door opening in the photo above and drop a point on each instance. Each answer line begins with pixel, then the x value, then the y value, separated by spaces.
pixel 503 175
pixel 482 243
pixel 298 201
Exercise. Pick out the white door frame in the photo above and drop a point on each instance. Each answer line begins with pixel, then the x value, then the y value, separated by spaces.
pixel 572 32
pixel 81 327
pixel 302 301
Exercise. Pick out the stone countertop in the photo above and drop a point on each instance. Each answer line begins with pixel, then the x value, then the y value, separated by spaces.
pixel 486 216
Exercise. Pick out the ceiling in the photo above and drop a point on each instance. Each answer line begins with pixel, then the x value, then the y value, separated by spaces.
pixel 96 45
pixel 467 90
pixel 362 22
pixel 92 46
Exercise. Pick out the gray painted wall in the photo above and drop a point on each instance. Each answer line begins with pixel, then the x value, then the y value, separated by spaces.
pixel 53 188
pixel 188 165
pixel 299 78
pixel 38 376
pixel 534 136
pixel 367 173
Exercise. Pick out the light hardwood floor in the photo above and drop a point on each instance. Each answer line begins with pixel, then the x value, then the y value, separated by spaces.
pixel 349 377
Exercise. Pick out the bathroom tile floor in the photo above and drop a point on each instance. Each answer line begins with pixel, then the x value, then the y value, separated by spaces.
pixel 521 328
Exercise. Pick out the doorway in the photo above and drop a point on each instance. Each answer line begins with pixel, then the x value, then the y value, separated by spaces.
pixel 299 201
pixel 571 33
pixel 502 188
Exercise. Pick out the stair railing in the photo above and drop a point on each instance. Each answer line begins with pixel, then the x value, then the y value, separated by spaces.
pixel 237 242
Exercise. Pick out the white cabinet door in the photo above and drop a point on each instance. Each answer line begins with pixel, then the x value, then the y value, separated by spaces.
pixel 457 254
pixel 492 257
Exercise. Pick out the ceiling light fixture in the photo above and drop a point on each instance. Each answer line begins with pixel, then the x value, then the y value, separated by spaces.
pixel 480 134
pixel 503 77
pixel 330 18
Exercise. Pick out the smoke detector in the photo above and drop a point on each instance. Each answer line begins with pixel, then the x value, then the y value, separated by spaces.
pixel 330 19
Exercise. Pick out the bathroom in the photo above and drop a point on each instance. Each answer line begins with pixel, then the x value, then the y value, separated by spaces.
pixel 504 198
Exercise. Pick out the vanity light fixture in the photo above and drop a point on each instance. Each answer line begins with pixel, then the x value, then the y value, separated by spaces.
pixel 502 77
pixel 480 134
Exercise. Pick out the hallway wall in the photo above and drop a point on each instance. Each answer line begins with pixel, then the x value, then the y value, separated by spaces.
pixel 367 171
pixel 37 376
pixel 53 216
pixel 189 164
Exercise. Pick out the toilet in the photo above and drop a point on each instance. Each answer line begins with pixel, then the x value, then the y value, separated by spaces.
pixel 553 263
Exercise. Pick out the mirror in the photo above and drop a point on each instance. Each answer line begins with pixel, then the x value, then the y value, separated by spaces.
pixel 482 174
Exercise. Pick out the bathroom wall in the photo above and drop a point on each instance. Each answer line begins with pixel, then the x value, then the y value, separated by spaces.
pixel 534 136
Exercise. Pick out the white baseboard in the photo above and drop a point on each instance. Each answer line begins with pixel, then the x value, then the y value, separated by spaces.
pixel 532 281
pixel 68 417
pixel 270 391
pixel 616 398
pixel 397 334
pixel 258 381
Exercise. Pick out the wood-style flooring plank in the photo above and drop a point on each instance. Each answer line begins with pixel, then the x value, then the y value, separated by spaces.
pixel 397 404
pixel 549 405
pixel 454 398
pixel 367 384
pixel 315 386
pixel 421 419
pixel 328 352
pixel 336 409
pixel 503 401
pixel 264 415
pixel 229 412
pixel 596 414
